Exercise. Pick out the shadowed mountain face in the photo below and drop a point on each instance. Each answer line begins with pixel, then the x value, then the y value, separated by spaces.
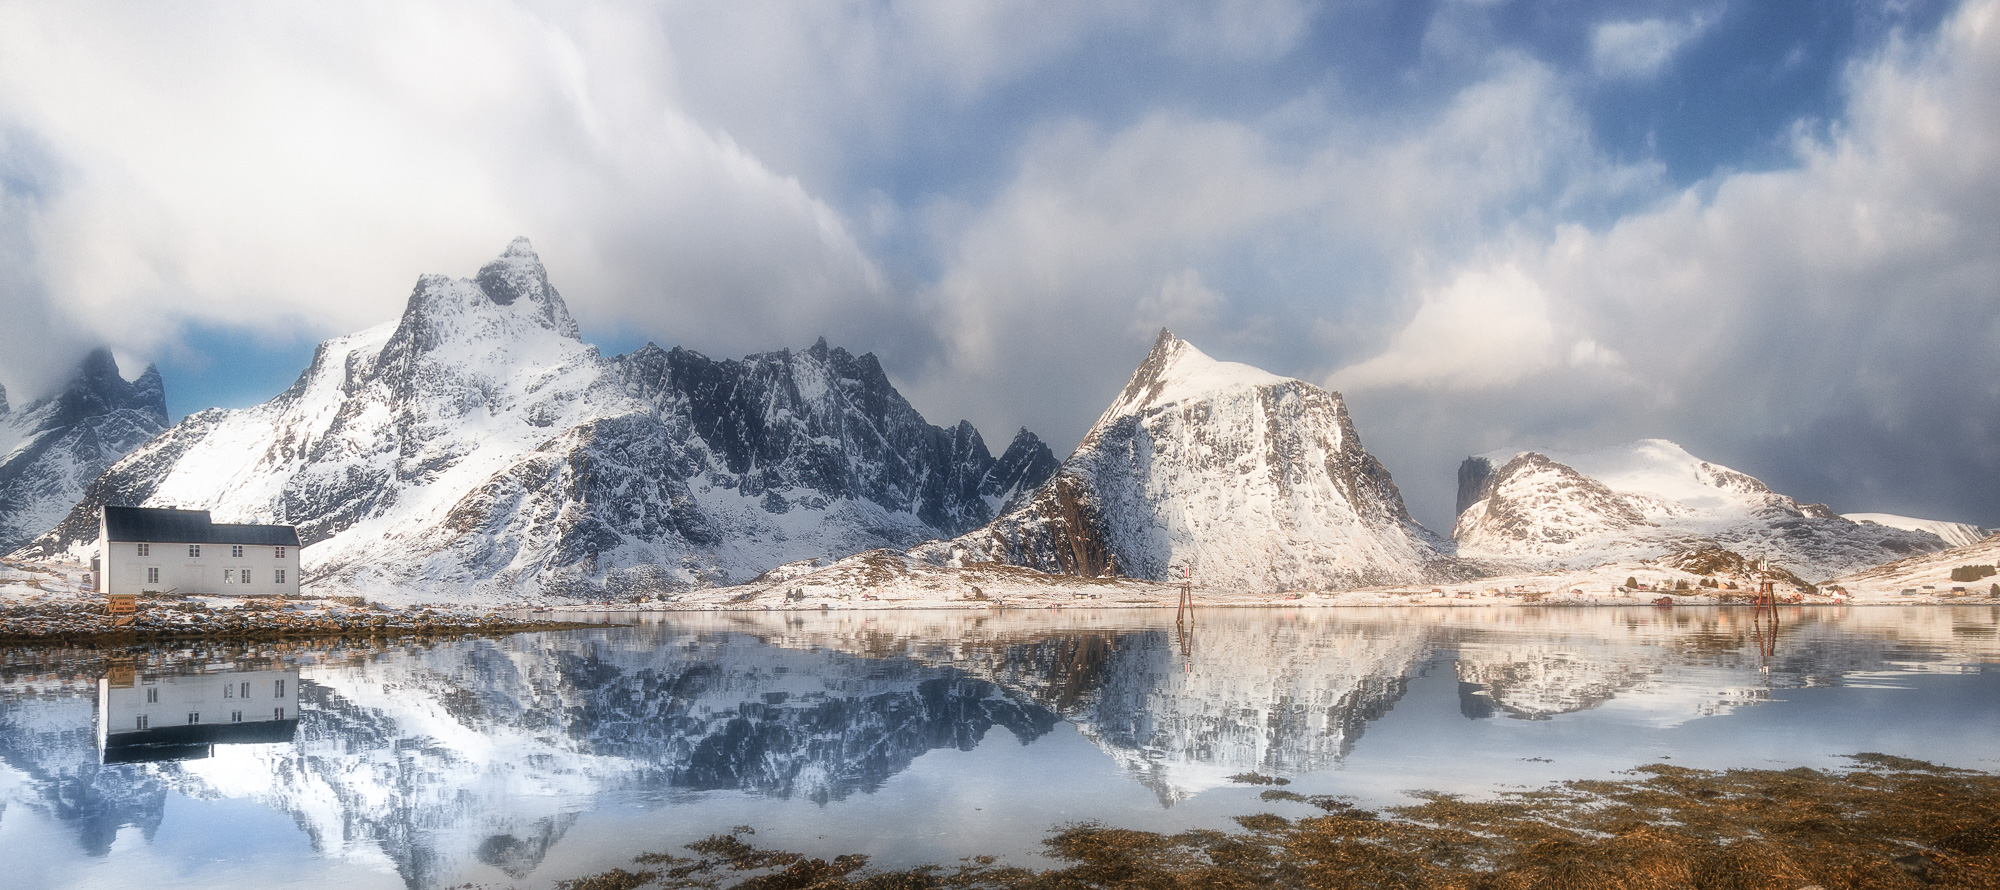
pixel 53 447
pixel 478 447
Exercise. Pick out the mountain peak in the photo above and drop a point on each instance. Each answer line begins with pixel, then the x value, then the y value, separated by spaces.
pixel 1175 370
pixel 520 247
pixel 96 388
pixel 1642 498
pixel 508 298
pixel 517 273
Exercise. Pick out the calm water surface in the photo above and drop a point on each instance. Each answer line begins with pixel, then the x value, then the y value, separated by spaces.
pixel 913 737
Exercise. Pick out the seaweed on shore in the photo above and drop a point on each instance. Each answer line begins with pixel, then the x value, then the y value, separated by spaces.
pixel 1889 822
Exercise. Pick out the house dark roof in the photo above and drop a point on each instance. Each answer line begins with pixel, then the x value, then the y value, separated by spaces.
pixel 177 742
pixel 160 526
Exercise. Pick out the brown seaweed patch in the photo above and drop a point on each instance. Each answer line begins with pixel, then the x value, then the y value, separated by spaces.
pixel 1889 823
pixel 1257 778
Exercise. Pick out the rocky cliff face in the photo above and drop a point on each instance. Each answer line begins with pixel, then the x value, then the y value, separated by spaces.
pixel 1248 478
pixel 52 448
pixel 478 447
pixel 1650 498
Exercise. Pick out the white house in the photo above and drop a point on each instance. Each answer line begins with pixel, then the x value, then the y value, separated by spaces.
pixel 146 549
pixel 182 717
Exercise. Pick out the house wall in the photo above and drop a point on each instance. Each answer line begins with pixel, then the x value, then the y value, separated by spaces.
pixel 195 700
pixel 123 570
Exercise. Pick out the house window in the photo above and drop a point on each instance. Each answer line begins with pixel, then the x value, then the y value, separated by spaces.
pixel 145 550
pixel 194 549
pixel 236 550
pixel 142 721
pixel 236 716
pixel 194 717
pixel 280 552
pixel 279 690
pixel 277 713
pixel 246 689
pixel 152 574
pixel 153 696
pixel 281 576
pixel 228 691
pixel 228 576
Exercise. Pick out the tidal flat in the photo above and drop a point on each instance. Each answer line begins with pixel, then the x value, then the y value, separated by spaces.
pixel 1886 822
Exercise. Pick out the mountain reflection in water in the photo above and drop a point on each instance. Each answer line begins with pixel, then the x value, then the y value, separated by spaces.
pixel 433 762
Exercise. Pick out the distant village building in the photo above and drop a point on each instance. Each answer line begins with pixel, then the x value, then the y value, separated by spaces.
pixel 150 550
pixel 183 717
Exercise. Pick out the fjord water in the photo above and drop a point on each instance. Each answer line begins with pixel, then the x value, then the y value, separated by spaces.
pixel 923 736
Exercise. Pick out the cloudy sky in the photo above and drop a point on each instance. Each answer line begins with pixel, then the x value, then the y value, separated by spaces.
pixel 1768 231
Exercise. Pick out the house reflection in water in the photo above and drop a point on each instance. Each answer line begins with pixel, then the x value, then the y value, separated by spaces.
pixel 182 717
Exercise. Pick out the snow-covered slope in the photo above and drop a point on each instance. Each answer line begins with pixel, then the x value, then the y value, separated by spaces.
pixel 1954 534
pixel 478 447
pixel 1649 498
pixel 1929 574
pixel 51 449
pixel 1251 479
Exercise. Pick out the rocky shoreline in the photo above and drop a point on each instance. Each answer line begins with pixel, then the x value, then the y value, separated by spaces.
pixel 85 622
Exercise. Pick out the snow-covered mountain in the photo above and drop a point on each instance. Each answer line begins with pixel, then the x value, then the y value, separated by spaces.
pixel 1954 534
pixel 1251 479
pixel 479 447
pixel 52 448
pixel 1647 499
pixel 1931 570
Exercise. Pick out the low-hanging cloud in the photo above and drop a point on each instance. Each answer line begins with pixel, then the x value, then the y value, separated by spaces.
pixel 1487 329
pixel 295 168
pixel 1830 327
pixel 1449 243
pixel 1052 289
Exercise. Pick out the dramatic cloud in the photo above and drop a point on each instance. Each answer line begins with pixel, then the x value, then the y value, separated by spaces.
pixel 1057 285
pixel 1490 229
pixel 1488 329
pixel 1829 327
pixel 278 167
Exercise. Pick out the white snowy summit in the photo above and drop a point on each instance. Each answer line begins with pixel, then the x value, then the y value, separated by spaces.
pixel 479 447
pixel 1650 498
pixel 1252 480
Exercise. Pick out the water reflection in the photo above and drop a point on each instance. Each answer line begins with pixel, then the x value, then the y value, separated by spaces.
pixel 149 717
pixel 436 761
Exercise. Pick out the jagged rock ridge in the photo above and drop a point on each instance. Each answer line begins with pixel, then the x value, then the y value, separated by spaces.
pixel 1250 479
pixel 1651 498
pixel 53 447
pixel 479 447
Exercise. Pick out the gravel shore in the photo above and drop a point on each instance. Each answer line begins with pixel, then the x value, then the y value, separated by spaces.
pixel 84 621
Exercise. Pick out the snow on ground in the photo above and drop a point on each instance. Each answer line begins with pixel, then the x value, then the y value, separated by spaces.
pixel 1928 578
pixel 1955 534
pixel 887 579
pixel 23 584
pixel 883 579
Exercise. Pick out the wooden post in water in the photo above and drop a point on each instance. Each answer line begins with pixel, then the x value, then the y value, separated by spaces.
pixel 1186 607
pixel 1184 620
pixel 1767 599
